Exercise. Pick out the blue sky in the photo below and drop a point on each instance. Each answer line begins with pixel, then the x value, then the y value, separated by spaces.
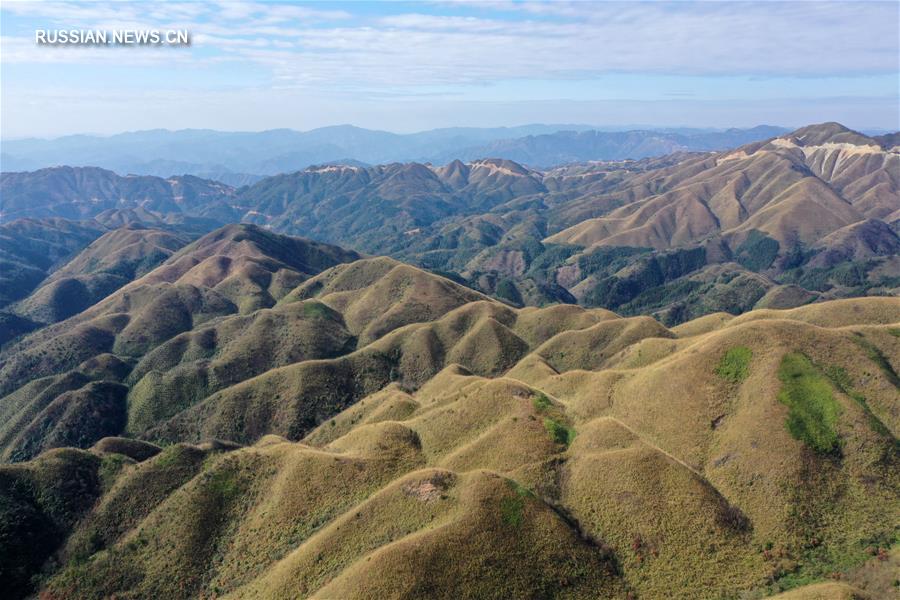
pixel 408 66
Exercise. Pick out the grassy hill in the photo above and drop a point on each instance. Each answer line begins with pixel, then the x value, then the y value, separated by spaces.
pixel 108 263
pixel 262 416
pixel 30 249
pixel 232 272
pixel 85 192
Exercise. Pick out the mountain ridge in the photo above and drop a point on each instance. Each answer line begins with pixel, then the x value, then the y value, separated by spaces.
pixel 757 215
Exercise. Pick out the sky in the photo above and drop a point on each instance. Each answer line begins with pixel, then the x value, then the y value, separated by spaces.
pixel 411 66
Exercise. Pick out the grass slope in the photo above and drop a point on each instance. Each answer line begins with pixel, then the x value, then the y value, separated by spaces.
pixel 405 435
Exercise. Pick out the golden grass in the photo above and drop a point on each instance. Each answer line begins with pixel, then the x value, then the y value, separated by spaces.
pixel 671 529
pixel 589 349
pixel 489 452
pixel 780 190
pixel 481 554
pixel 824 591
pixel 703 324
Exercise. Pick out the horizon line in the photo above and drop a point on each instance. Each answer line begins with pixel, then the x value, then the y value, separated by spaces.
pixel 587 127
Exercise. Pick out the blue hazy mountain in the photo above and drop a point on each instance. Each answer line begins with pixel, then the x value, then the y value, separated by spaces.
pixel 242 158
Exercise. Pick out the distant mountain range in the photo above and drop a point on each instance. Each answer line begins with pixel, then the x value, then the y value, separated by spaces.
pixel 813 214
pixel 239 158
pixel 562 147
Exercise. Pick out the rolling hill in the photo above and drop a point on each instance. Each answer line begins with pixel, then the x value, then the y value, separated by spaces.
pixel 265 416
pixel 30 249
pixel 109 262
pixel 832 176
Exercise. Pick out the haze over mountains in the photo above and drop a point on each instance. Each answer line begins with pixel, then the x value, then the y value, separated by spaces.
pixel 673 377
pixel 242 158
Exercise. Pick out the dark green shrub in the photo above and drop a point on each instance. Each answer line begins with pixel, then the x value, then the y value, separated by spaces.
pixel 507 290
pixel 541 402
pixel 758 251
pixel 559 433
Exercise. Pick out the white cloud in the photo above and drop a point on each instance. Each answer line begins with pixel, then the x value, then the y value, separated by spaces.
pixel 396 52
pixel 579 41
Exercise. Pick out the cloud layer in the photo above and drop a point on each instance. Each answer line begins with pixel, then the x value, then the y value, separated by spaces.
pixel 452 48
